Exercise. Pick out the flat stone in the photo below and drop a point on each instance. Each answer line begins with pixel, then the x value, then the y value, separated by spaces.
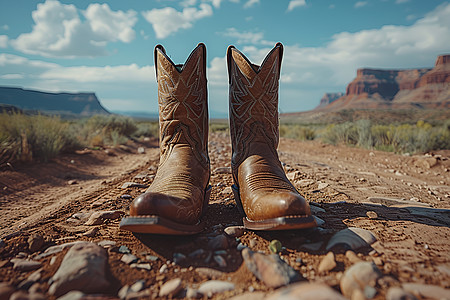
pixel 220 261
pixel 23 265
pixel 351 238
pixel 358 277
pixel 396 293
pixel 72 295
pixel 209 273
pixel 147 267
pixel 171 288
pixel 99 217
pixel 57 248
pixel 328 263
pixel 222 170
pixel 127 185
pixel 123 292
pixel 35 242
pixel 322 185
pixel 91 232
pixel 270 269
pixel 212 287
pixel 129 258
pixel 306 291
pixel 427 291
pixel 352 257
pixel 218 242
pixel 234 231
pixel 124 249
pixel 82 268
pixel 32 278
pixel 138 286
pixel 106 244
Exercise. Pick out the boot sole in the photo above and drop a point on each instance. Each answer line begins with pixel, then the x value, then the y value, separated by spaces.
pixel 280 223
pixel 158 225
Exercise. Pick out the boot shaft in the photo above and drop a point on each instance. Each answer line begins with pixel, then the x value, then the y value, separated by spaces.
pixel 253 92
pixel 183 104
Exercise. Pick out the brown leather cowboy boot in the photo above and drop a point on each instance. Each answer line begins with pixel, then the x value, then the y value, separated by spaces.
pixel 262 191
pixel 177 198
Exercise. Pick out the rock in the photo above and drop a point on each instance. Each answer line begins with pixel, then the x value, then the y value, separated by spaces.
pixel 178 258
pixel 138 286
pixel 305 291
pixel 141 150
pixel 91 232
pixel 328 263
pixel 220 261
pixel 129 258
pixel 270 269
pixel 72 182
pixel 250 296
pixel 319 221
pixel 212 287
pixel 352 257
pixel 147 267
pixel 235 231
pixel 126 196
pixel 427 291
pixel 275 246
pixel 106 244
pixel 82 268
pixel 151 257
pixel 171 288
pixel 218 242
pixel 196 253
pixel 163 269
pixel 56 249
pixel 72 295
pixel 396 293
pixel 322 185
pixel 22 295
pixel 351 238
pixel 192 293
pixel 35 242
pixel 127 185
pixel 23 265
pixel 124 250
pixel 99 217
pixel 6 290
pixel 358 277
pixel 123 292
pixel 426 162
pixel 33 278
pixel 209 273
pixel 371 214
pixel 222 170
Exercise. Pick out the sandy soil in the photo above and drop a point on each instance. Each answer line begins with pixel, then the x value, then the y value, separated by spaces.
pixel 403 200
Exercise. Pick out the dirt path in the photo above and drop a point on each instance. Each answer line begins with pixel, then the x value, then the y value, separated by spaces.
pixel 402 200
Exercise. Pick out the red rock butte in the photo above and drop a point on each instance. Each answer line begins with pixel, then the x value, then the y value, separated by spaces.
pixel 397 89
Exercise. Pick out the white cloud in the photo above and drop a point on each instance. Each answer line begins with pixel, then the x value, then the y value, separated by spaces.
pixel 295 3
pixel 58 30
pixel 247 37
pixel 3 41
pixel 12 76
pixel 251 3
pixel 360 4
pixel 166 21
pixel 401 1
pixel 5 27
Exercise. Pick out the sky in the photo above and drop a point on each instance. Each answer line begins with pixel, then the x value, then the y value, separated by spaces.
pixel 107 47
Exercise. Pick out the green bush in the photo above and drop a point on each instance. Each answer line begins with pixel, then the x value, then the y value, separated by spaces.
pixel 297 132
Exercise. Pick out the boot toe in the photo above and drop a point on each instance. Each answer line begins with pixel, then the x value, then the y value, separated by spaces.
pixel 278 204
pixel 162 205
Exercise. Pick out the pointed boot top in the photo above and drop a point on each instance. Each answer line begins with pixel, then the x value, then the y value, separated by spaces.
pixel 197 56
pixel 183 103
pixel 249 69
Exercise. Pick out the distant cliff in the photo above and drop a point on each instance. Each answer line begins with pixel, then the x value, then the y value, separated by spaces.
pixel 81 104
pixel 329 98
pixel 419 88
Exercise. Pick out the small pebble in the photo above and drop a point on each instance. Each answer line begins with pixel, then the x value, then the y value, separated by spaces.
pixel 235 231
pixel 163 269
pixel 129 258
pixel 328 263
pixel 371 214
pixel 171 288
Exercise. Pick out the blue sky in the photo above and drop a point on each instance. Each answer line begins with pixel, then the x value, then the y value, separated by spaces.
pixel 107 47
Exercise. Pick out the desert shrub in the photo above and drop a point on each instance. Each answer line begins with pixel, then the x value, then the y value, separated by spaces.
pixel 298 132
pixel 101 130
pixel 147 129
pixel 345 133
pixel 34 137
pixel 219 127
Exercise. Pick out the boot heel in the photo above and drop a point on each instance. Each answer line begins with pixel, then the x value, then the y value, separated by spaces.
pixel 237 199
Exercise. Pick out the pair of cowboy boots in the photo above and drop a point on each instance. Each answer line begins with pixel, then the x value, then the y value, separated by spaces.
pixel 178 197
